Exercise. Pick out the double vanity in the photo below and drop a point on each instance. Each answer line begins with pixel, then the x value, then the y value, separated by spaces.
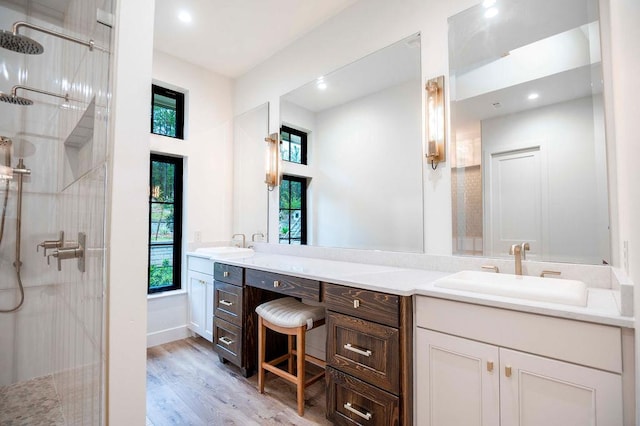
pixel 414 346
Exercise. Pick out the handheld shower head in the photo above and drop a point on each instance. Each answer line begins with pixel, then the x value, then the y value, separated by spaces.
pixel 19 43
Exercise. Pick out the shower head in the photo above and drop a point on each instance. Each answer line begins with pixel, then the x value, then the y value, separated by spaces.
pixel 19 43
pixel 5 142
pixel 15 99
pixel 12 40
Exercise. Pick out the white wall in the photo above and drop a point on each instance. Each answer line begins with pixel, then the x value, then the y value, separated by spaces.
pixel 625 60
pixel 127 231
pixel 564 133
pixel 208 153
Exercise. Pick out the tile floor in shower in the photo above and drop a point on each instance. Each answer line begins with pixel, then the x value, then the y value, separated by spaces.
pixel 31 403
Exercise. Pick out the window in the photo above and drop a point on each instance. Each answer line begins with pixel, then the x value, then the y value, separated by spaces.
pixel 293 145
pixel 165 223
pixel 167 112
pixel 293 210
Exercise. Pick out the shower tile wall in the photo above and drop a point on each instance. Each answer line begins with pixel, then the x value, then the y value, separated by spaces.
pixel 59 330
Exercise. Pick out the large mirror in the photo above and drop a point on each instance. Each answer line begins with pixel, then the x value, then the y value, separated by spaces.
pixel 250 200
pixel 528 139
pixel 362 125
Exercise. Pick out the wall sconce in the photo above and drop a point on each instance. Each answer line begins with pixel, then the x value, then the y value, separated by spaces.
pixel 272 166
pixel 435 131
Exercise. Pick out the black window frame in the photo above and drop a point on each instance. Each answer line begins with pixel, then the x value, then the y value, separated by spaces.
pixel 177 222
pixel 303 143
pixel 303 209
pixel 179 98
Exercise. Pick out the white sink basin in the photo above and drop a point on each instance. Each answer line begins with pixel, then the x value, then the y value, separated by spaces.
pixel 224 252
pixel 553 290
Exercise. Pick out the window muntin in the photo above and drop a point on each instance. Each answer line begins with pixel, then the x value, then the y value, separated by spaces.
pixel 293 145
pixel 293 210
pixel 165 223
pixel 167 112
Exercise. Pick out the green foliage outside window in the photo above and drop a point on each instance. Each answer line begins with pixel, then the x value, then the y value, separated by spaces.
pixel 164 121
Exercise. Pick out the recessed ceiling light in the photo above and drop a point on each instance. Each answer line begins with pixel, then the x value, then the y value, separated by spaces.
pixel 490 13
pixel 488 3
pixel 321 85
pixel 533 96
pixel 184 16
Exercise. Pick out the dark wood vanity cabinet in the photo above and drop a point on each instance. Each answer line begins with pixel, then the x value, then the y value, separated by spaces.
pixel 232 318
pixel 369 356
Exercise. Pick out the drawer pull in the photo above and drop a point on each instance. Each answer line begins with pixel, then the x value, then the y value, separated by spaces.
pixel 225 302
pixel 356 350
pixel 225 340
pixel 489 366
pixel 356 303
pixel 202 282
pixel 347 406
pixel 276 284
pixel 507 371
pixel 225 274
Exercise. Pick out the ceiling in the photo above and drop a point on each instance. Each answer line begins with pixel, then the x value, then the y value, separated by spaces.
pixel 231 37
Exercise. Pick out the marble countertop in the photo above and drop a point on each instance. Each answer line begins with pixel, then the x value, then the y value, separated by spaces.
pixel 601 305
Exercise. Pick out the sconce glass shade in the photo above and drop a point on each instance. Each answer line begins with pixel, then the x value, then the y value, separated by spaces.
pixel 272 166
pixel 435 131
pixel 6 173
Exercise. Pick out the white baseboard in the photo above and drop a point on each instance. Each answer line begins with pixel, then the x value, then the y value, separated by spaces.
pixel 165 336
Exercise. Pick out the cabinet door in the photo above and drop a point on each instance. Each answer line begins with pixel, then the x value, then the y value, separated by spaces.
pixel 197 299
pixel 208 310
pixel 457 381
pixel 544 392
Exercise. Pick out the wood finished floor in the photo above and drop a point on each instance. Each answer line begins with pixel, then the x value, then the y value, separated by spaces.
pixel 187 385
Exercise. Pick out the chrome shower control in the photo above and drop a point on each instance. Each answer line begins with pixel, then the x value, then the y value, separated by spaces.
pixel 73 252
pixel 51 244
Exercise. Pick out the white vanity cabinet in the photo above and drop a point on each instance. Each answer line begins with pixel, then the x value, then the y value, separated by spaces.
pixel 200 288
pixel 534 370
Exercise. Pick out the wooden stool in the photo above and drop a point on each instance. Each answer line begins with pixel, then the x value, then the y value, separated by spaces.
pixel 293 318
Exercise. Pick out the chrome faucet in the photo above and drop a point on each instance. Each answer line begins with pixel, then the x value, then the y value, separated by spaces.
pixel 516 251
pixel 257 234
pixel 524 248
pixel 244 239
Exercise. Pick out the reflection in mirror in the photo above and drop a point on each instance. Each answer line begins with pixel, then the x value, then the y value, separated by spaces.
pixel 528 140
pixel 364 151
pixel 249 151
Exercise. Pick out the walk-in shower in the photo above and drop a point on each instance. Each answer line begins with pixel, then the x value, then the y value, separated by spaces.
pixel 52 332
pixel 9 173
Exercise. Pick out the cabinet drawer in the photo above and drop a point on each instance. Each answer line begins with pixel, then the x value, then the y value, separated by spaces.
pixel 285 284
pixel 227 302
pixel 364 349
pixel 227 340
pixel 353 402
pixel 198 264
pixel 367 304
pixel 228 274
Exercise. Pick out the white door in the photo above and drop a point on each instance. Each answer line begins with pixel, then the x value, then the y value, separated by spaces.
pixel 197 301
pixel 458 381
pixel 208 317
pixel 515 207
pixel 545 392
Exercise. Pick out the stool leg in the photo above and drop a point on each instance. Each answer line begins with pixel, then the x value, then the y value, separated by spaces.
pixel 290 349
pixel 262 334
pixel 300 349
